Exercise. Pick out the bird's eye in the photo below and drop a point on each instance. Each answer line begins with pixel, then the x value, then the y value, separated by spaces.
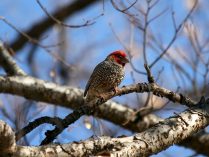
pixel 119 56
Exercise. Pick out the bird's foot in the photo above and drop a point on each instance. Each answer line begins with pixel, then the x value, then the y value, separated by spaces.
pixel 115 90
pixel 102 97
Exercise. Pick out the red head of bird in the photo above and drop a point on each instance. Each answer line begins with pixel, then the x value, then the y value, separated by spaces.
pixel 118 57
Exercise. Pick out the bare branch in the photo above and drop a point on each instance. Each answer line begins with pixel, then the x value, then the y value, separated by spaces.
pixel 128 51
pixel 150 78
pixel 157 15
pixel 32 125
pixel 87 23
pixel 146 16
pixel 69 119
pixel 39 28
pixel 36 42
pixel 123 10
pixel 47 91
pixel 175 35
pixel 8 63
pixel 174 20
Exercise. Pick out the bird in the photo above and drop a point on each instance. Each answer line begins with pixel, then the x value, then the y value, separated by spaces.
pixel 106 76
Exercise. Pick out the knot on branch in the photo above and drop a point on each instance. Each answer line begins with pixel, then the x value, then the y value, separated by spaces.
pixel 186 101
pixel 143 87
pixel 150 78
pixel 171 96
pixel 157 93
pixel 203 103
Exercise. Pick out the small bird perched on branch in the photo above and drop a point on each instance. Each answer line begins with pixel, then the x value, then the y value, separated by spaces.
pixel 106 76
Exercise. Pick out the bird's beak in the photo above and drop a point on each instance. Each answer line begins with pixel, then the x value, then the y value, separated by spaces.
pixel 125 60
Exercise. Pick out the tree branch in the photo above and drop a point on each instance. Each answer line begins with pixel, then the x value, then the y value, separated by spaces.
pixel 64 95
pixel 7 62
pixel 177 30
pixel 32 125
pixel 39 28
pixel 69 119
pixel 87 23
pixel 198 142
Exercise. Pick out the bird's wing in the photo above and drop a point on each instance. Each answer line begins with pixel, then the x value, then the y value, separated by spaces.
pixel 93 76
pixel 87 87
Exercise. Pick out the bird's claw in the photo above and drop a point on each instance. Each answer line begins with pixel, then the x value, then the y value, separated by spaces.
pixel 102 97
pixel 115 90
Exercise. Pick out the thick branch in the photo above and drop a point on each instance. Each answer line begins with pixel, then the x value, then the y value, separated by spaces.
pixel 65 96
pixel 165 134
pixel 198 142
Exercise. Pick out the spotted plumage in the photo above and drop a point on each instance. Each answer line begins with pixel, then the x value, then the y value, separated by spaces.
pixel 106 76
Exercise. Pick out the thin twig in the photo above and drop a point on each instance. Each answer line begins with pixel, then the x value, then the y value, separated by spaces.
pixel 36 42
pixel 37 29
pixel 123 10
pixel 69 119
pixel 128 52
pixel 175 35
pixel 87 23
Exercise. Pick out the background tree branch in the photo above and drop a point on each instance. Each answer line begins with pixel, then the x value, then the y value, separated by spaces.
pixel 8 63
pixel 42 26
